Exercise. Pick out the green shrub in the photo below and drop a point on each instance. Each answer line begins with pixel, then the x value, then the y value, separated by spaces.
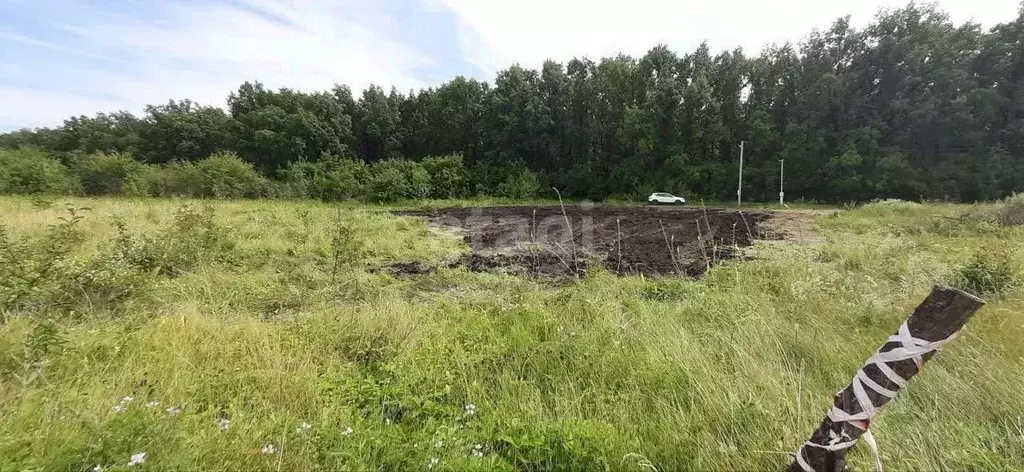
pixel 892 206
pixel 520 183
pixel 222 175
pixel 192 237
pixel 987 275
pixel 38 273
pixel 44 338
pixel 395 179
pixel 569 445
pixel 346 247
pixel 173 180
pixel 448 176
pixel 32 268
pixel 115 174
pixel 30 171
pixel 301 179
pixel 330 179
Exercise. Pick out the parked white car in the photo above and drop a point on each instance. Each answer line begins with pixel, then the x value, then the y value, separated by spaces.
pixel 665 198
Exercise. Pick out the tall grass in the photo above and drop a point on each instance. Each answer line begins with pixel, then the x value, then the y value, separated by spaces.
pixel 474 371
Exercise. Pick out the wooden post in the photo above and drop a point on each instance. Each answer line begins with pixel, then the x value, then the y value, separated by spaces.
pixel 942 314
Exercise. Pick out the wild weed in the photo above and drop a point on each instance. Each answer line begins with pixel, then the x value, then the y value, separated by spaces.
pixel 986 275
pixel 39 273
pixel 29 267
pixel 346 248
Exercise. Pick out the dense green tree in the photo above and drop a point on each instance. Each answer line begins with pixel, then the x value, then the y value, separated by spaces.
pixel 910 106
pixel 376 122
pixel 554 120
pixel 514 118
pixel 183 130
pixel 109 133
pixel 619 134
pixel 271 129
pixel 454 115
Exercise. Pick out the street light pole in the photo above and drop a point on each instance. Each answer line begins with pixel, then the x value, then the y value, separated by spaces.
pixel 782 174
pixel 739 189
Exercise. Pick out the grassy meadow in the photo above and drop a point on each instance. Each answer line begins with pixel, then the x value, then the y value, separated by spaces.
pixel 257 335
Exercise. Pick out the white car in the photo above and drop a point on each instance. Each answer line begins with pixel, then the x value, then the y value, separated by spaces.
pixel 665 198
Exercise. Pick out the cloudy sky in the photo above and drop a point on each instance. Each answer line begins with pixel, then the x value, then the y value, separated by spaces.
pixel 64 57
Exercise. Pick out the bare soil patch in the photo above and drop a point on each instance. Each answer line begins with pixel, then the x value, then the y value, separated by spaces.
pixel 626 240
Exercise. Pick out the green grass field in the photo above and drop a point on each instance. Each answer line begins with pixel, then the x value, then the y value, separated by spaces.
pixel 258 337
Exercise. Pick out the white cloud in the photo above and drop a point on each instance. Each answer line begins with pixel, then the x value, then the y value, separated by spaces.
pixel 497 33
pixel 28 107
pixel 18 38
pixel 204 51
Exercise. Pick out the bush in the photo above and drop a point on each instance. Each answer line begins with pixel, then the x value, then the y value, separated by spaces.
pixel 222 175
pixel 1008 212
pixel 892 205
pixel 29 266
pixel 568 445
pixel 192 238
pixel 1011 210
pixel 39 273
pixel 987 275
pixel 520 183
pixel 448 176
pixel 30 171
pixel 172 180
pixel 888 208
pixel 395 179
pixel 115 174
pixel 331 179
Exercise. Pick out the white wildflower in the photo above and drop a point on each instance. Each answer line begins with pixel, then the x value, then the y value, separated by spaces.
pixel 153 404
pixel 119 408
pixel 470 409
pixel 347 431
pixel 173 411
pixel 137 459
pixel 269 449
pixel 433 462
pixel 97 468
pixel 223 424
pixel 304 426
pixel 478 450
pixel 127 399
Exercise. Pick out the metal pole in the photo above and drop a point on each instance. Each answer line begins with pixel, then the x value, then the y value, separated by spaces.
pixel 782 175
pixel 739 189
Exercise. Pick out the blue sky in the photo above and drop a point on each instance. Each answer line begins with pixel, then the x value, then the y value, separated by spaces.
pixel 62 57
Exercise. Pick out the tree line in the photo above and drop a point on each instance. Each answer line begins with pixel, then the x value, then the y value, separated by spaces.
pixel 911 106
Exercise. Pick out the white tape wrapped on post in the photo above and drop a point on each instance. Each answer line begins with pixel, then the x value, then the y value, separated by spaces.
pixel 909 348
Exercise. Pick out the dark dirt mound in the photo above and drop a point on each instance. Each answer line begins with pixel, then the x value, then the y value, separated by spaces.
pixel 626 240
pixel 410 268
pixel 523 264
